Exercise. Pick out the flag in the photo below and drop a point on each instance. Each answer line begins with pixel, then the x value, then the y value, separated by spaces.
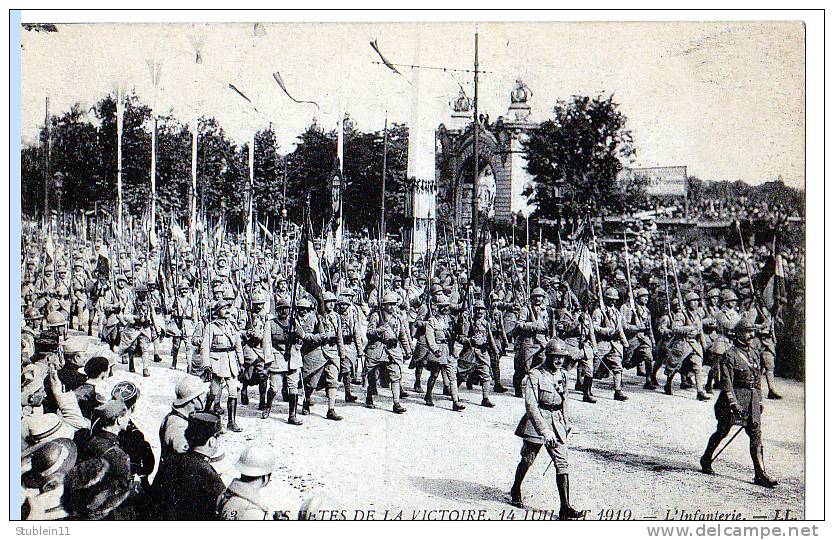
pixel 308 269
pixel 385 61
pixel 280 81
pixel 177 234
pixel 481 273
pixel 580 269
pixel 771 281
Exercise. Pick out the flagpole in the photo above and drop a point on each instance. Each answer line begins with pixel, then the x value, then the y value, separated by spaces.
pixel 119 127
pixel 475 127
pixel 382 215
pixel 251 194
pixel 192 225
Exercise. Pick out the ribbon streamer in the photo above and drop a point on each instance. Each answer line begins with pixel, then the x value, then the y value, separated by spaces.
pixel 280 81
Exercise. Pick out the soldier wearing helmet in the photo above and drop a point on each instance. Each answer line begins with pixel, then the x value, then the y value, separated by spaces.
pixel 190 394
pixel 388 349
pixel 254 360
pixel 184 317
pixel 479 349
pixel 242 500
pixel 740 401
pixel 546 423
pixel 637 324
pixel 323 350
pixel 282 351
pixel 439 360
pixel 221 351
pixel 354 342
pixel 421 350
pixel 140 330
pixel 611 339
pixel 695 343
pixel 533 328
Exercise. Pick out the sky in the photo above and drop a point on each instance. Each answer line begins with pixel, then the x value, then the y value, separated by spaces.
pixel 725 99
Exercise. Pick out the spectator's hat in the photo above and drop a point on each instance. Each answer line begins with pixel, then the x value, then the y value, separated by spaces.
pixel 256 461
pixel 188 389
pixel 48 459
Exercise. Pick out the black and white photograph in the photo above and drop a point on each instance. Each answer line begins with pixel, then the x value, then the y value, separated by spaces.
pixel 374 269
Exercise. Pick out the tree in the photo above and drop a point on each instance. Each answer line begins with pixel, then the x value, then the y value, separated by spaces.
pixel 582 148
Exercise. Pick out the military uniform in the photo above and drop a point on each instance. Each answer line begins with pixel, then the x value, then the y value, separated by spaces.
pixel 532 330
pixel 740 404
pixel 242 502
pixel 611 340
pixel 222 351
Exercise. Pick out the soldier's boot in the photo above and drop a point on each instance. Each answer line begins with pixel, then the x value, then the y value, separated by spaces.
pixel 429 389
pixel 370 391
pixel 566 511
pixel 669 380
pixel 305 407
pixel 485 402
pixel 457 405
pixel 418 375
pixel 708 384
pixel 498 388
pixel 270 397
pixel 771 386
pixel 284 392
pixel 587 397
pixel 701 396
pixel 131 364
pixel 396 392
pixel 686 381
pixel 231 404
pixel 447 391
pixel 331 405
pixel 515 491
pixel 579 385
pixel 349 397
pixel 293 419
pixel 619 395
pixel 712 445
pixel 761 478
pixel 209 406
pixel 175 349
pixel 262 395
pixel 649 384
pixel 655 369
pixel 244 394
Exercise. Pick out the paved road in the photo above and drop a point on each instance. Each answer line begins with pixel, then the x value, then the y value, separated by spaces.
pixel 637 459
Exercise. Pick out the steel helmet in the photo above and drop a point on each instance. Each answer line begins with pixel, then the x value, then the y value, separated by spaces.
pixel 188 389
pixel 390 298
pixel 282 303
pixel 442 300
pixel 556 347
pixel 538 291
pixel 328 297
pixel 612 294
pixel 256 461
pixel 692 295
pixel 728 295
pixel 642 291
pixel 55 319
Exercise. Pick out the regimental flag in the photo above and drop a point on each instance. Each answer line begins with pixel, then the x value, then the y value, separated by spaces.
pixel 771 281
pixel 580 269
pixel 308 269
pixel 481 273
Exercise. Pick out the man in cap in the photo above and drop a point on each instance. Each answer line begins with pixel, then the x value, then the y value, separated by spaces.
pixel 282 353
pixel 611 338
pixel 48 464
pixel 388 347
pixel 242 500
pixel 70 373
pixel 532 330
pixel 740 401
pixel 190 395
pixel 440 360
pixel 131 439
pixel 186 487
pixel 221 350
pixel 637 324
pixel 110 419
pixel 546 422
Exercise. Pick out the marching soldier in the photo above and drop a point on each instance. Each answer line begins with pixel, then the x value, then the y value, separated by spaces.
pixel 222 351
pixel 546 422
pixel 439 360
pixel 479 341
pixel 354 343
pixel 740 401
pixel 322 349
pixel 611 339
pixel 139 331
pixel 282 351
pixel 184 317
pixel 388 347
pixel 637 324
pixel 254 359
pixel 532 330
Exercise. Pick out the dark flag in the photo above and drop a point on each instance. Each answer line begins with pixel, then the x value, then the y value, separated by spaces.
pixel 481 273
pixel 308 269
pixel 771 281
pixel 580 269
